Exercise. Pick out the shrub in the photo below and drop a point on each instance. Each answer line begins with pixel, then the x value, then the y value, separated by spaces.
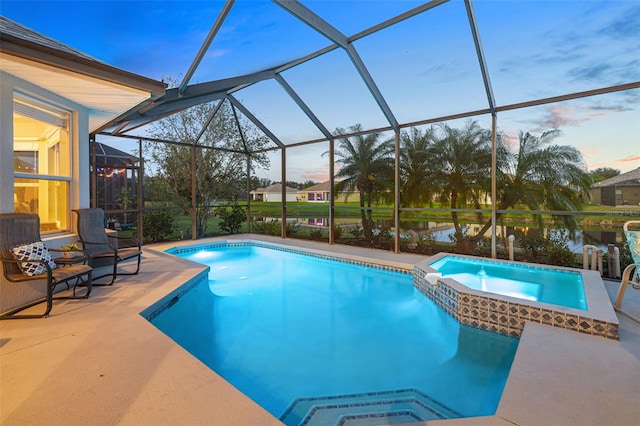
pixel 316 234
pixel 231 217
pixel 357 232
pixel 337 232
pixel 269 228
pixel 292 229
pixel 551 250
pixel 157 224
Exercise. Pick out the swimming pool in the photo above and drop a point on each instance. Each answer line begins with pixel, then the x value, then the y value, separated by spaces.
pixel 310 338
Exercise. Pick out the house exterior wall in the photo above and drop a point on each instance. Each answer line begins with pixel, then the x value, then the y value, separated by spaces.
pixel 313 197
pixel 630 196
pixel 616 195
pixel 276 197
pixel 18 294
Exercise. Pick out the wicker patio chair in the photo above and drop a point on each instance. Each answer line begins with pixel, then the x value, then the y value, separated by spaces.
pixel 24 258
pixel 631 274
pixel 104 249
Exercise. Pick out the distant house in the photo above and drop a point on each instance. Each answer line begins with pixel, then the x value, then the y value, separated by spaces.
pixel 320 194
pixel 273 194
pixel 619 190
pixel 315 194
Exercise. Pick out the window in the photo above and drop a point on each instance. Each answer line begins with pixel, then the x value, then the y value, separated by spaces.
pixel 41 162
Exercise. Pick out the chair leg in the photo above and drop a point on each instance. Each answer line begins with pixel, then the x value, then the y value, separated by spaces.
pixel 627 280
pixel 137 268
pixel 111 274
pixel 88 285
pixel 11 314
pixel 48 299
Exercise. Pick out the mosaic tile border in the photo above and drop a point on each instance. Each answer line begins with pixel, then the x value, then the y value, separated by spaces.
pixel 406 413
pixel 425 401
pixel 504 315
pixel 197 247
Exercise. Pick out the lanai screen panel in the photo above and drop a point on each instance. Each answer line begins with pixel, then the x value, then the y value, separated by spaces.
pixel 604 128
pixel 269 102
pixel 549 48
pixel 256 36
pixel 348 16
pixel 426 66
pixel 337 95
pixel 308 163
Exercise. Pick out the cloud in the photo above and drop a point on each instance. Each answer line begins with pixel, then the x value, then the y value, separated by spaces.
pixel 557 116
pixel 624 26
pixel 629 159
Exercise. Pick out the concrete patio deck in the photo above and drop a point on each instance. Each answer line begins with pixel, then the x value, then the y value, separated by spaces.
pixel 99 362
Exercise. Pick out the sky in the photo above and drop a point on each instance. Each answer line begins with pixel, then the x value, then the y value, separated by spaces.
pixel 425 67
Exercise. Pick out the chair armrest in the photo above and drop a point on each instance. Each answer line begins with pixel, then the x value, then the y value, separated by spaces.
pixel 127 242
pixel 25 277
pixel 94 243
pixel 57 250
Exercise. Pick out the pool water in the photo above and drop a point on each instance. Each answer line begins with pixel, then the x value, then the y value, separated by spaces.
pixel 286 328
pixel 558 287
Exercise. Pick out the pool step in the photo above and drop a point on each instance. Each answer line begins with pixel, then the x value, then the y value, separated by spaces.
pixel 372 408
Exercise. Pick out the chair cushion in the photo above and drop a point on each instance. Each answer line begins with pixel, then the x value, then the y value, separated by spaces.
pixel 33 251
pixel 633 241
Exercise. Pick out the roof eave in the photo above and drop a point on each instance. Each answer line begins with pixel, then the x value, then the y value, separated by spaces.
pixel 45 55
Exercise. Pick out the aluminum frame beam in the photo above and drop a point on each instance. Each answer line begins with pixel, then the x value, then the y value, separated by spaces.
pixel 480 53
pixel 310 18
pixel 205 45
pixel 255 121
pixel 303 106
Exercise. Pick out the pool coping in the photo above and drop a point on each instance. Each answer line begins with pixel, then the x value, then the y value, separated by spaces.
pixel 507 314
pixel 76 367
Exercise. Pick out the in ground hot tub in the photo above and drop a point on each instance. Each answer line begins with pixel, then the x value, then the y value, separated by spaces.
pixel 501 296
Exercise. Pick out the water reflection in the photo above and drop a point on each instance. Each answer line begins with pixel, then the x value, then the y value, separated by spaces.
pixel 443 232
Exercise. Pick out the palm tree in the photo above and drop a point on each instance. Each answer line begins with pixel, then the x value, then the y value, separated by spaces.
pixel 415 156
pixel 540 175
pixel 461 168
pixel 366 167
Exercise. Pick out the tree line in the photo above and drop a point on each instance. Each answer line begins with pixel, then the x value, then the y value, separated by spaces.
pixel 438 164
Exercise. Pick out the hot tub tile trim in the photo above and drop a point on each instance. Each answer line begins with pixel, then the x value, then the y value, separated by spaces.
pixel 505 314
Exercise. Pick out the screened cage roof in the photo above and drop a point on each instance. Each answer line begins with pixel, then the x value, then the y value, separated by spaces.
pixel 301 69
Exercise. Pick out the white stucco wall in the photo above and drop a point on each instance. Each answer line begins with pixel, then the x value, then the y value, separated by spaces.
pixel 16 294
pixel 276 197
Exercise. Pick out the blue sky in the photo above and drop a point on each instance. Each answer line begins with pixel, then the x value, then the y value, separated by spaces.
pixel 425 67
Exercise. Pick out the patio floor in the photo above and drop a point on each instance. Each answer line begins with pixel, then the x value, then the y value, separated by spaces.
pixel 99 362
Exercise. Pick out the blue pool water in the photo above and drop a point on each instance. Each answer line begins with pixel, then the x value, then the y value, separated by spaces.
pixel 280 326
pixel 558 287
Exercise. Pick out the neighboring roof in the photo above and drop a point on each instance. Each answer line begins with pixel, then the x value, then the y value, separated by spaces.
pixel 320 187
pixel 108 155
pixel 275 188
pixel 108 92
pixel 631 178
